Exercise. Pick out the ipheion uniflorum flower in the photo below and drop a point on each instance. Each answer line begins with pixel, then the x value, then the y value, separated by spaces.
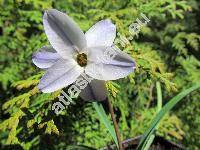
pixel 73 53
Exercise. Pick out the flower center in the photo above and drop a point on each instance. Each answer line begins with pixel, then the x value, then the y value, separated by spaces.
pixel 81 59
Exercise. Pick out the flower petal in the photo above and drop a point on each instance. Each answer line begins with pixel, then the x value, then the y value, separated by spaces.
pixel 108 63
pixel 45 57
pixel 63 33
pixel 95 91
pixel 102 33
pixel 60 75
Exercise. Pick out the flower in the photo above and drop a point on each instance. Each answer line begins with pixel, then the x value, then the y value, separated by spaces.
pixel 72 53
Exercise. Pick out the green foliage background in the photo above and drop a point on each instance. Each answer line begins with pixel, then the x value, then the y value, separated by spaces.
pixel 166 50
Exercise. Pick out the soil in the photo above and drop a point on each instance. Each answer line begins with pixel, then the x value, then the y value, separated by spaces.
pixel 159 144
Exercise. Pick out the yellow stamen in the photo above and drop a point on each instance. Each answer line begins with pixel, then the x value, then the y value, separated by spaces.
pixel 82 59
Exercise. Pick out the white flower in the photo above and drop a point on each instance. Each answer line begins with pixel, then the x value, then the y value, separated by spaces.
pixel 72 53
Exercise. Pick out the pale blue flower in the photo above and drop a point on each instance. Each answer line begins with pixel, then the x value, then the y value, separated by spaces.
pixel 72 53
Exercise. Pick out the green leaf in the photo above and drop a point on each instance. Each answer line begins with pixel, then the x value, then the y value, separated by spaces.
pixel 159 107
pixel 79 147
pixel 159 97
pixel 103 117
pixel 162 112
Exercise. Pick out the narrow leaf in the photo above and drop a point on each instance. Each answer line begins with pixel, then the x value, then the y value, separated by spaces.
pixel 159 107
pixel 162 112
pixel 103 117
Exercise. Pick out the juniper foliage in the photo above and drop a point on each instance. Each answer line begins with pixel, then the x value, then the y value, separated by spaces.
pixel 166 50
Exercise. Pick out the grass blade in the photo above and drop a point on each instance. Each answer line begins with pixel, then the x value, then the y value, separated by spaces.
pixel 159 107
pixel 103 117
pixel 159 96
pixel 162 112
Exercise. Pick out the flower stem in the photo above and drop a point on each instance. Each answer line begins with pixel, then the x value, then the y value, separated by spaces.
pixel 115 124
